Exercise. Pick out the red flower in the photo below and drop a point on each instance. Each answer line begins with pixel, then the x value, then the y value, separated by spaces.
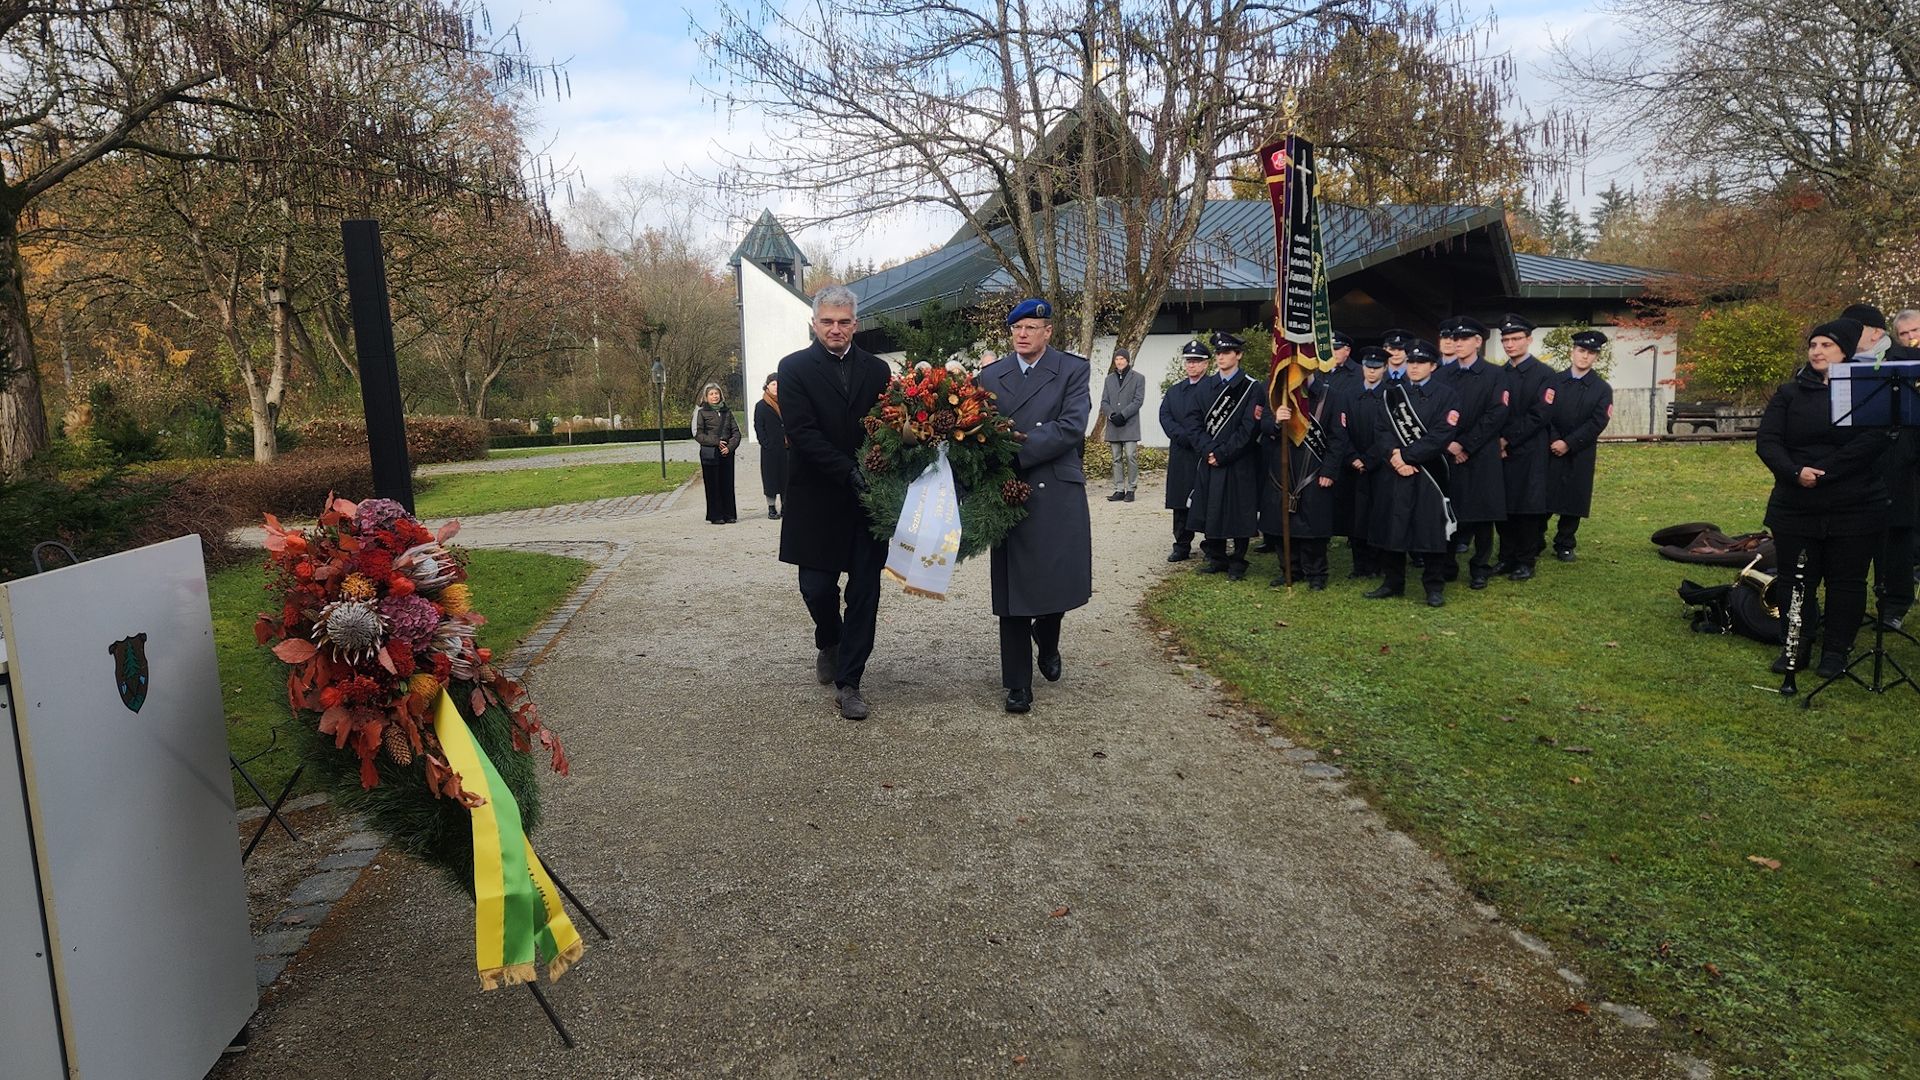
pixel 331 696
pixel 921 416
pixel 303 569
pixel 376 563
pixel 402 658
pixel 399 585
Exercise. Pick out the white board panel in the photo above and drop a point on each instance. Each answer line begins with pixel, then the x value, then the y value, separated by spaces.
pixel 29 1028
pixel 133 812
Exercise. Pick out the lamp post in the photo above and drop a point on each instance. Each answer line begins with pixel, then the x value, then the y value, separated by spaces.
pixel 660 411
pixel 1653 392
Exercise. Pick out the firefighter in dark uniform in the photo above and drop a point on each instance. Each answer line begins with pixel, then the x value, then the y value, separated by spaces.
pixel 1226 490
pixel 1395 342
pixel 1578 405
pixel 1306 492
pixel 1523 452
pixel 1182 408
pixel 1420 416
pixel 1339 377
pixel 1479 490
pixel 1353 433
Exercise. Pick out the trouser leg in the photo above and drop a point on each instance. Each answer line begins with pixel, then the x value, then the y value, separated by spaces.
pixel 1016 652
pixel 1313 559
pixel 863 609
pixel 1046 633
pixel 1563 534
pixel 1236 554
pixel 1182 535
pixel 1846 560
pixel 1119 465
pixel 1393 569
pixel 1893 572
pixel 1787 548
pixel 1214 550
pixel 1433 572
pixel 821 590
pixel 1130 453
pixel 1480 563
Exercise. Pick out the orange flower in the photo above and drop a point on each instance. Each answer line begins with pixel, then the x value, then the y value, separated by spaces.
pixel 399 585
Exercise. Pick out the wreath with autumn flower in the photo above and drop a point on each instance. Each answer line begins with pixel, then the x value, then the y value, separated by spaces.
pixel 943 406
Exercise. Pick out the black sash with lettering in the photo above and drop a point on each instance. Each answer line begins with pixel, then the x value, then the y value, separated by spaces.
pixel 1222 409
pixel 1407 427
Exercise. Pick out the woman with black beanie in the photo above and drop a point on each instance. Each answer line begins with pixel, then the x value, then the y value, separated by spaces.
pixel 1829 500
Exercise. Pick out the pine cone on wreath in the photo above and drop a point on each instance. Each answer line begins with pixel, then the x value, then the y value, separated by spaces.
pixel 394 741
pixel 1015 492
pixel 876 461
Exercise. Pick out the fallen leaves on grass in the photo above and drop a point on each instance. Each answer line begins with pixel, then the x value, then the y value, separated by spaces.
pixel 1060 912
pixel 1762 860
pixel 1712 971
pixel 1575 780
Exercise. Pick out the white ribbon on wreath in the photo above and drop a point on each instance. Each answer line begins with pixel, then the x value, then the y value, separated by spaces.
pixel 926 542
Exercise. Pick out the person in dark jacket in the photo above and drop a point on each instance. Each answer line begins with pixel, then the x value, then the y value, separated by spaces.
pixel 771 434
pixel 1355 434
pixel 1829 499
pixel 718 434
pixel 1479 490
pixel 1306 493
pixel 1226 491
pixel 1523 453
pixel 1182 408
pixel 1578 405
pixel 826 389
pixel 1893 561
pixel 1419 416
pixel 1121 400
pixel 1044 568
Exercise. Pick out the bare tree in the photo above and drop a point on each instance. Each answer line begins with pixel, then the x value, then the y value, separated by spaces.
pixel 1770 96
pixel 1013 115
pixel 186 81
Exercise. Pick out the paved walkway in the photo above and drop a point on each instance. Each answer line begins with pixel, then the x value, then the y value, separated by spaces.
pixel 1135 880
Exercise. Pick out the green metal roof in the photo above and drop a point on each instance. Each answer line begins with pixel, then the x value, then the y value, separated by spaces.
pixel 767 242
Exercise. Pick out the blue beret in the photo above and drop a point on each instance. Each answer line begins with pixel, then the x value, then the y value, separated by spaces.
pixel 1035 308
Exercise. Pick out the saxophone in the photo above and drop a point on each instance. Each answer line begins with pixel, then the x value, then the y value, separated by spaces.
pixel 1796 617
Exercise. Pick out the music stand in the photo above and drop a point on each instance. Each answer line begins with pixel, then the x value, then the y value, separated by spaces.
pixel 1875 395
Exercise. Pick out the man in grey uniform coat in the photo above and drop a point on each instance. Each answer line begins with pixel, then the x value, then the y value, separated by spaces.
pixel 1044 568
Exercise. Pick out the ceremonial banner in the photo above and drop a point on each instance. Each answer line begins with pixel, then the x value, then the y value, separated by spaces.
pixel 926 542
pixel 1302 329
pixel 518 920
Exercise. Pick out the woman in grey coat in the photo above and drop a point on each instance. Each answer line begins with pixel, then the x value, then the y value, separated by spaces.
pixel 1120 402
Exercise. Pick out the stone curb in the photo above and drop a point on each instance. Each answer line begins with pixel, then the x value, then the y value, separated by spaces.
pixel 1333 778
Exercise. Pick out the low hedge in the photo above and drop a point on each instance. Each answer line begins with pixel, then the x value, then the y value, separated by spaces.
pixel 1098 459
pixel 430 439
pixel 588 438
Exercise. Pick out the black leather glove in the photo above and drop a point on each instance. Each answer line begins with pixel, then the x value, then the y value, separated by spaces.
pixel 859 478
pixel 1115 419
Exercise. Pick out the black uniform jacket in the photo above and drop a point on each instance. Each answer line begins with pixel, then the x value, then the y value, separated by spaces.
pixel 771 434
pixel 1183 410
pixel 1577 410
pixel 1413 516
pixel 1226 497
pixel 1526 461
pixel 1479 483
pixel 1313 514
pixel 823 519
pixel 1797 431
pixel 1356 431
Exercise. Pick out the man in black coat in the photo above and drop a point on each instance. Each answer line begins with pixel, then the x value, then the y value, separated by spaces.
pixel 1479 490
pixel 1354 437
pixel 1306 492
pixel 1578 404
pixel 826 389
pixel 1418 419
pixel 1182 408
pixel 1226 492
pixel 1893 562
pixel 1044 568
pixel 1523 450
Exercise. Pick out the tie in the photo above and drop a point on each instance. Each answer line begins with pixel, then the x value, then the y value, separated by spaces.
pixel 1025 371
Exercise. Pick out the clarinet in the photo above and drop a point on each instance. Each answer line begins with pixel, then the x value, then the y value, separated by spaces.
pixel 1795 615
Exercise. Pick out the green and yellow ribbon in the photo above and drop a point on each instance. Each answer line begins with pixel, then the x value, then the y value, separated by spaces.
pixel 518 920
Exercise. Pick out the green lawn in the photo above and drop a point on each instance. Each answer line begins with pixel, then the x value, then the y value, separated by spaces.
pixel 1603 775
pixel 467 494
pixel 515 589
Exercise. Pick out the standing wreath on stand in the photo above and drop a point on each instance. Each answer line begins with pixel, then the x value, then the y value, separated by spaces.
pixel 936 443
pixel 410 723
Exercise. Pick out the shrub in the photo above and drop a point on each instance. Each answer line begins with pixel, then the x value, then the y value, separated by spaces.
pixel 115 425
pixel 546 425
pixel 429 438
pixel 1097 459
pixel 587 438
pixel 105 514
pixel 1741 353
pixel 499 428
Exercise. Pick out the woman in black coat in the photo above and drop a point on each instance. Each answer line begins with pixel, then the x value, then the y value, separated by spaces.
pixel 718 434
pixel 771 434
pixel 1829 499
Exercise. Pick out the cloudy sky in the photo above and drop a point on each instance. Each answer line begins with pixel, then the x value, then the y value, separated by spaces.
pixel 636 107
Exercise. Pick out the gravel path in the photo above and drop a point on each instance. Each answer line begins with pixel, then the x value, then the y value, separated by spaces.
pixel 1129 882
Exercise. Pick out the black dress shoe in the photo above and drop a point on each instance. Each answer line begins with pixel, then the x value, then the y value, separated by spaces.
pixel 1235 573
pixel 1504 567
pixel 1523 572
pixel 1050 666
pixel 1179 554
pixel 823 664
pixel 1118 496
pixel 852 705
pixel 1019 701
pixel 772 514
pixel 1129 497
pixel 1477 581
pixel 1563 556
pixel 1832 664
pixel 1893 622
pixel 1210 567
pixel 1318 584
pixel 1278 583
pixel 1383 592
pixel 1436 598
